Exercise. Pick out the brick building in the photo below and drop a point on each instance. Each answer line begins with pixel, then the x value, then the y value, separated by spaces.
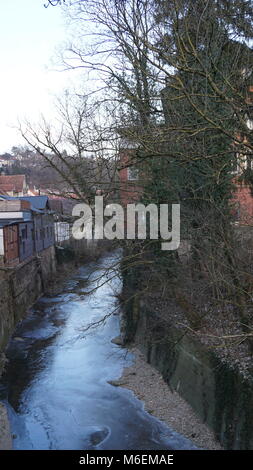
pixel 130 188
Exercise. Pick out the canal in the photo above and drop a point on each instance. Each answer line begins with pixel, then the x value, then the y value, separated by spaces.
pixel 60 359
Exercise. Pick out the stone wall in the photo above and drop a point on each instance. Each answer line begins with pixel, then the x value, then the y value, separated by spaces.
pixel 20 288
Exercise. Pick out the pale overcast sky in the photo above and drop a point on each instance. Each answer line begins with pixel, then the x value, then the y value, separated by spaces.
pixel 29 34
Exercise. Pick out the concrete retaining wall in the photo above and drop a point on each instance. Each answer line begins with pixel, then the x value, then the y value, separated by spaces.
pixel 216 390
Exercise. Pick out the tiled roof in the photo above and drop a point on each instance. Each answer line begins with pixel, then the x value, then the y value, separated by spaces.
pixel 12 183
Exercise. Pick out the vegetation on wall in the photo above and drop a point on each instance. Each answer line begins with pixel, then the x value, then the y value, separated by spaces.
pixel 175 77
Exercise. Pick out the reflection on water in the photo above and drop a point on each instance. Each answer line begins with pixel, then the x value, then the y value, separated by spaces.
pixel 55 385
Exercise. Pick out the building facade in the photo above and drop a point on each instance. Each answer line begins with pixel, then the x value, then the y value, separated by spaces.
pixel 26 227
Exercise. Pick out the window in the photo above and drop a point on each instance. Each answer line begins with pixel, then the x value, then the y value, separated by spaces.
pixel 241 162
pixel 132 173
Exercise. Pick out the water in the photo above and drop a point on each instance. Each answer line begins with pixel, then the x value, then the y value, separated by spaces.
pixel 55 385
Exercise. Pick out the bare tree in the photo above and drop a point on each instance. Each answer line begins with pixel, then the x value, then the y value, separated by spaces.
pixel 77 148
pixel 176 76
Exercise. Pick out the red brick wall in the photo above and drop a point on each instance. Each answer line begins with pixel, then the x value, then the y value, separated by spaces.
pixel 130 191
pixel 243 202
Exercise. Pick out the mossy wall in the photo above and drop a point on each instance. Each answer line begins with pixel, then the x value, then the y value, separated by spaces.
pixel 216 391
pixel 20 288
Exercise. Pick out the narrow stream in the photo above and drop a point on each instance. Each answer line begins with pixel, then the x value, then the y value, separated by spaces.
pixel 55 385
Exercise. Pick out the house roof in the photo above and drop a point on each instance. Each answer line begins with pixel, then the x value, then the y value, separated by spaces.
pixel 37 202
pixel 12 183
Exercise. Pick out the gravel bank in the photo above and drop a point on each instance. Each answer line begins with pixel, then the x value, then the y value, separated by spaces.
pixel 165 404
pixel 5 435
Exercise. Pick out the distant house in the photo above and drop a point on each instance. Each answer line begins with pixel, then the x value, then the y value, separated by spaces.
pixel 6 160
pixel 13 185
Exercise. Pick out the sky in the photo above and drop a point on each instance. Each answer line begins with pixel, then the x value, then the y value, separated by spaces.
pixel 29 79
